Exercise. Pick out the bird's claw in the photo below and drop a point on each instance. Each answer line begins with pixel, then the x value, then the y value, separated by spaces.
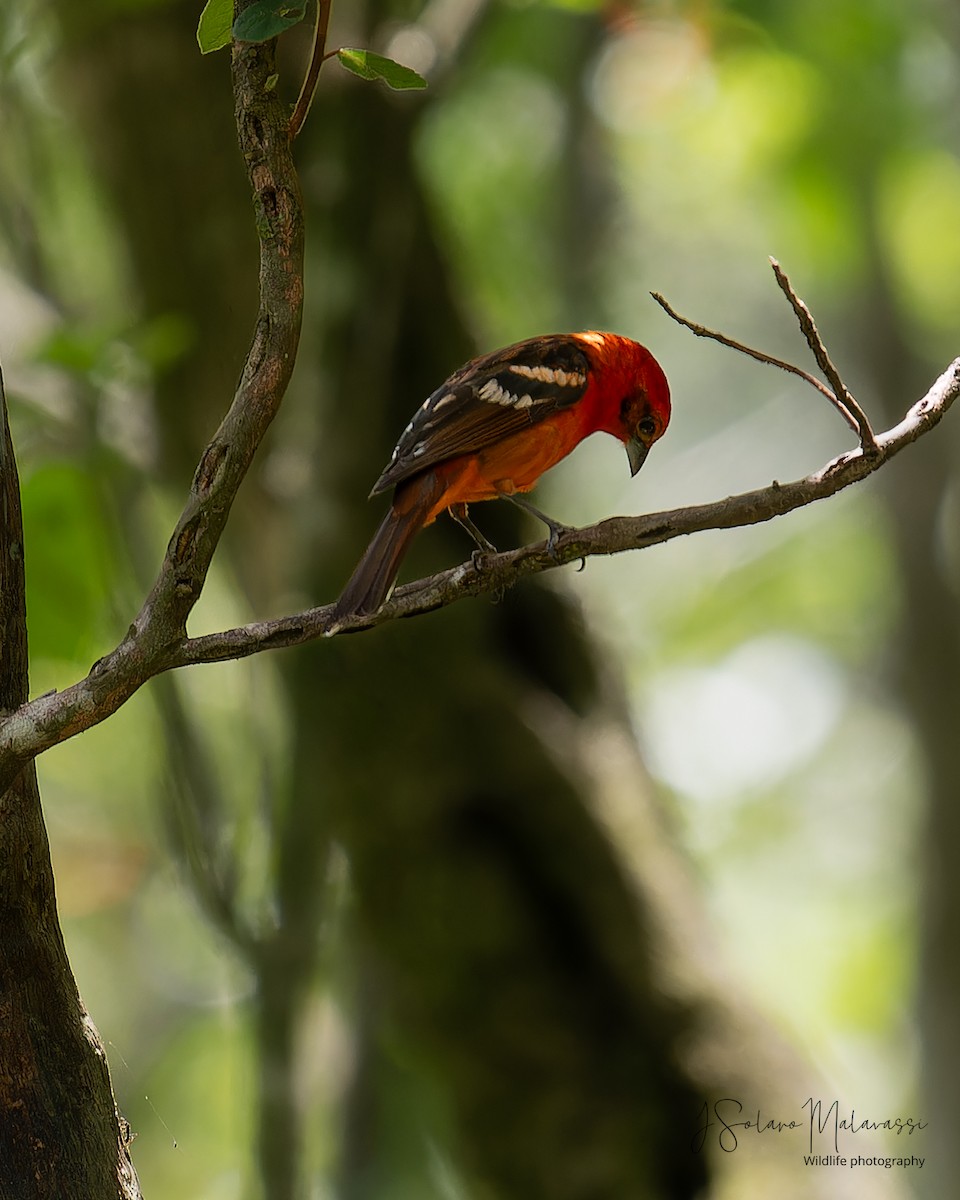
pixel 478 559
pixel 553 540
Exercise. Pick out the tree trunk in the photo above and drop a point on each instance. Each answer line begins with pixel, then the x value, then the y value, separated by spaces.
pixel 60 1133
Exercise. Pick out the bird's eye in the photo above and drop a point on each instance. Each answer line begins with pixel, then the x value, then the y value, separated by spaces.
pixel 647 428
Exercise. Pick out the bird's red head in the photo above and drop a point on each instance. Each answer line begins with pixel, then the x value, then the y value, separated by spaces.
pixel 631 397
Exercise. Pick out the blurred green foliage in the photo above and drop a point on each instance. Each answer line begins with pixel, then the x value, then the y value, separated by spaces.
pixel 66 566
pixel 716 134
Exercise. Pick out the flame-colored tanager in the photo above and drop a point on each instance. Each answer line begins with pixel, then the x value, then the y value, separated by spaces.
pixel 495 426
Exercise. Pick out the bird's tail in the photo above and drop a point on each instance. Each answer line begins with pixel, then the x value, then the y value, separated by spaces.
pixel 373 578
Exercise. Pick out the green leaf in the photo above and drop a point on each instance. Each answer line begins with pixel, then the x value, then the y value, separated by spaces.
pixel 267 18
pixel 368 65
pixel 213 32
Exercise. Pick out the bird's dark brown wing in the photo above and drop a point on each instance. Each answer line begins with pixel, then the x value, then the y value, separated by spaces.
pixel 486 401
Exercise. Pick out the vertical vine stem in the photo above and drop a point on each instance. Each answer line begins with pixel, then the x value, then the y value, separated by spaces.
pixel 262 127
pixel 317 57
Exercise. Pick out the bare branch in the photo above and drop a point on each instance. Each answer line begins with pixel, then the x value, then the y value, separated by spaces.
pixel 760 356
pixel 839 397
pixel 53 718
pixel 612 536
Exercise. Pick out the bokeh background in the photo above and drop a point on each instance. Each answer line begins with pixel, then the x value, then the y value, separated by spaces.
pixel 268 872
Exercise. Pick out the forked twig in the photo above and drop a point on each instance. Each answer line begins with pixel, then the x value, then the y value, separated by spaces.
pixel 839 397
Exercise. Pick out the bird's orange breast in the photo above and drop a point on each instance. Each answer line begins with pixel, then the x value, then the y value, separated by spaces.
pixel 513 465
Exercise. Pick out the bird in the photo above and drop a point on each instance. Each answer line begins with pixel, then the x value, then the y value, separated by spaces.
pixel 494 427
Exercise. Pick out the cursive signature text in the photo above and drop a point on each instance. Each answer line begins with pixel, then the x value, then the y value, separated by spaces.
pixel 726 1121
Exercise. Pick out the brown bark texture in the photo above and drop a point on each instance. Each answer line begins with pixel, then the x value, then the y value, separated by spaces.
pixel 60 1133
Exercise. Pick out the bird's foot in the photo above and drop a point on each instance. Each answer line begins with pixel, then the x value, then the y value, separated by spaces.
pixel 556 528
pixel 483 544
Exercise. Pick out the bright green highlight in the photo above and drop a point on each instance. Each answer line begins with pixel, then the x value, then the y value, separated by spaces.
pixel 368 65
pixel 919 202
pixel 213 32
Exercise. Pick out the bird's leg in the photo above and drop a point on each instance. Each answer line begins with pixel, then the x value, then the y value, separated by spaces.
pixel 484 545
pixel 557 528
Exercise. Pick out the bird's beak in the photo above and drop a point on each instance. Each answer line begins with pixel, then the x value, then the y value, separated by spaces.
pixel 636 454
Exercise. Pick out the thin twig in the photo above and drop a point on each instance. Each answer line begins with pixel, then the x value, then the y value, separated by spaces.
pixel 317 59
pixel 760 356
pixel 844 401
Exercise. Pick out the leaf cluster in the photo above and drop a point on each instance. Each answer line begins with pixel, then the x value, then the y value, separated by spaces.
pixel 267 19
